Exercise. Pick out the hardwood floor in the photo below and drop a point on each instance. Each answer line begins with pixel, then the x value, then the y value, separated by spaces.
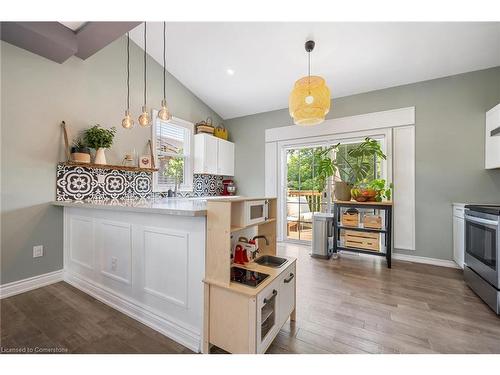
pixel 353 304
pixel 61 318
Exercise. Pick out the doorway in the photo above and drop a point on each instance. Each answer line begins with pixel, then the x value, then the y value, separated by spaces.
pixel 305 193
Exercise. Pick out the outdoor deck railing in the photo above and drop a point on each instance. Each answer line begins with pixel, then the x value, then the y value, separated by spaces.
pixel 313 198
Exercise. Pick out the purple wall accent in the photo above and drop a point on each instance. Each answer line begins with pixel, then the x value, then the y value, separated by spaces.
pixel 58 43
pixel 94 36
pixel 51 40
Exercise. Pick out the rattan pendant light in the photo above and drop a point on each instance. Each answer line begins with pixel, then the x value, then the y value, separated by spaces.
pixel 309 100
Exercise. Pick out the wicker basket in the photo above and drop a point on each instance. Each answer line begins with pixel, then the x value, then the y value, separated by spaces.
pixel 205 127
pixel 221 132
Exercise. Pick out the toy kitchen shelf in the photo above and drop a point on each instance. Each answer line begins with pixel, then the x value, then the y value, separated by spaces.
pixel 239 318
pixel 372 233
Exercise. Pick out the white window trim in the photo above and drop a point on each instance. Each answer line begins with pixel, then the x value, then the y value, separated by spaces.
pixel 188 166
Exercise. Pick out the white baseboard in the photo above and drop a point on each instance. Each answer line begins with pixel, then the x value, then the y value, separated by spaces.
pixel 171 329
pixel 21 286
pixel 417 259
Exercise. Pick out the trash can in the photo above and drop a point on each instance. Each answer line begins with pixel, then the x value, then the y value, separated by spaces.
pixel 322 242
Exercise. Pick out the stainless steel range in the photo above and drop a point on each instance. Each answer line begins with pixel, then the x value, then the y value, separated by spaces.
pixel 482 236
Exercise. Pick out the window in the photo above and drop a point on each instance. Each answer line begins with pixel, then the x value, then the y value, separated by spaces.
pixel 172 142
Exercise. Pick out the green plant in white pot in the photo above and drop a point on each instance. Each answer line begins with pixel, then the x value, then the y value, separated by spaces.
pixel 99 139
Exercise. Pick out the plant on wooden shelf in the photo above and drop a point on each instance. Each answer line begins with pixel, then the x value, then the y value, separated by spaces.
pixel 375 190
pixel 80 152
pixel 353 168
pixel 99 138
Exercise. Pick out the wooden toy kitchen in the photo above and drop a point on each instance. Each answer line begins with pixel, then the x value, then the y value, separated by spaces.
pixel 249 292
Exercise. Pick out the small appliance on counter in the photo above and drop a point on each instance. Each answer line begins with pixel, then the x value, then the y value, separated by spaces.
pixel 229 187
pixel 482 237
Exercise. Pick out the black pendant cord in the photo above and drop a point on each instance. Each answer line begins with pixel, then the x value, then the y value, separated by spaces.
pixel 128 72
pixel 145 65
pixel 309 66
pixel 164 59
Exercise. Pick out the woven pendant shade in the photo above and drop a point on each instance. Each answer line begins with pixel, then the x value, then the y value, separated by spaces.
pixel 309 101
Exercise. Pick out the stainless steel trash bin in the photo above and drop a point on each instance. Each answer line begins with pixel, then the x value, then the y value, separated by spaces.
pixel 322 242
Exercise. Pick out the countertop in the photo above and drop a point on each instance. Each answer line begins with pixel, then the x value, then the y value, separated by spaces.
pixel 164 206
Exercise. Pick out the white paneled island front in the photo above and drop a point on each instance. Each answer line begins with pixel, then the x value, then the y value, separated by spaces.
pixel 145 259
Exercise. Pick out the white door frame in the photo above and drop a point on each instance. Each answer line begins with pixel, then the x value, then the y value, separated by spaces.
pixel 283 146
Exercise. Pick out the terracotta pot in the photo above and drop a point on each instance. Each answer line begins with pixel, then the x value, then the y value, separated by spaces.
pixel 342 191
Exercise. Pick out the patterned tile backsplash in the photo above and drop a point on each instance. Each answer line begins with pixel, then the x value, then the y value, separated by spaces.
pixel 79 183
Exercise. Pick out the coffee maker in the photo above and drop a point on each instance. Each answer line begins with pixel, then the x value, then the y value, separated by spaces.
pixel 229 187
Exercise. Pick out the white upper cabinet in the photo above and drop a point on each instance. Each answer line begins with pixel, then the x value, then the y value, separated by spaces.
pixel 492 139
pixel 225 158
pixel 213 155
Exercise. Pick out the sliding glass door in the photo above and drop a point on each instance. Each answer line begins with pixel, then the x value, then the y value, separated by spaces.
pixel 304 192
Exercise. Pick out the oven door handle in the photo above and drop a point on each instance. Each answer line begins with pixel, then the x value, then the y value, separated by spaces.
pixel 478 220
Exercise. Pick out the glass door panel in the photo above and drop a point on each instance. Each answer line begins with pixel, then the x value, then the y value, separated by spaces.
pixel 305 192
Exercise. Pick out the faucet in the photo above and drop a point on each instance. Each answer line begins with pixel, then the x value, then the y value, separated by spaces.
pixel 263 237
pixel 254 254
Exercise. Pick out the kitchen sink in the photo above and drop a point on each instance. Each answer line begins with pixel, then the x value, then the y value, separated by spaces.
pixel 270 261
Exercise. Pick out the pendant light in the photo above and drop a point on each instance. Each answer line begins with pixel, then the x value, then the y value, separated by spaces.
pixel 127 121
pixel 145 117
pixel 309 100
pixel 164 113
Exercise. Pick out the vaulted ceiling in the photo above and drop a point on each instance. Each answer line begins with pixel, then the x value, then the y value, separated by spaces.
pixel 245 68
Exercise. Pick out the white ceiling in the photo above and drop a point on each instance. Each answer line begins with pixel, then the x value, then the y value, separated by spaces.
pixel 267 58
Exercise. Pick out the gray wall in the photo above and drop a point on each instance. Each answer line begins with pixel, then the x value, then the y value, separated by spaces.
pixel 36 95
pixel 450 116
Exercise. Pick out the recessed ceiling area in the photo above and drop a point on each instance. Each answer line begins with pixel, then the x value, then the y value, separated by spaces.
pixel 267 58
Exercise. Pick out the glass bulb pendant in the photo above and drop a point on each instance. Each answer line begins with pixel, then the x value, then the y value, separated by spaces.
pixel 127 121
pixel 164 113
pixel 144 118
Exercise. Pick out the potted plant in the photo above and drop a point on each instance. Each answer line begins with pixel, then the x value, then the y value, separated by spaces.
pixel 79 151
pixel 372 191
pixel 353 169
pixel 328 167
pixel 99 139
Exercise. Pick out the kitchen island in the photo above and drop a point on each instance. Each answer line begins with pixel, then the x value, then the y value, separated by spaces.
pixel 144 258
pixel 169 263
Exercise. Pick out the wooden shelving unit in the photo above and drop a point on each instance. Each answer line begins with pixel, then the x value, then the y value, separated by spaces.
pixel 385 249
pixel 109 166
pixel 237 317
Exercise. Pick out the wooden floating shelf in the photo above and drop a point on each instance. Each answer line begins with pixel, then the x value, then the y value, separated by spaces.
pixel 235 228
pixel 109 166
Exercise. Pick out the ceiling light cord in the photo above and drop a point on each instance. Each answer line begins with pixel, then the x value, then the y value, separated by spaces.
pixel 128 72
pixel 164 59
pixel 145 65
pixel 309 66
